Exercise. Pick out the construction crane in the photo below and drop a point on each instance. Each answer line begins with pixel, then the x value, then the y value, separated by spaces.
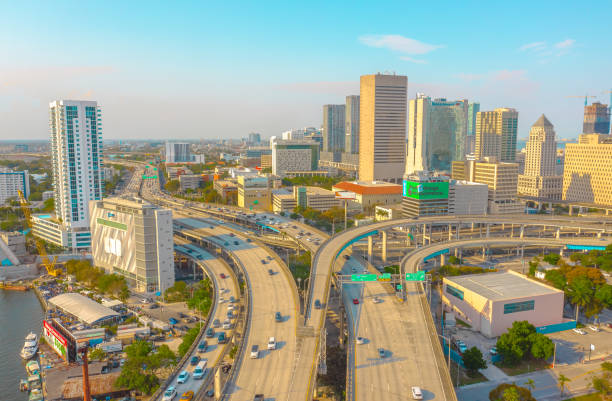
pixel 46 261
pixel 586 97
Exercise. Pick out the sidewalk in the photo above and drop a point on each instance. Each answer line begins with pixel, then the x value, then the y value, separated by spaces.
pixel 493 373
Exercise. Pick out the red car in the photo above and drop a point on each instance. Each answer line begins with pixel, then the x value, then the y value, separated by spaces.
pixel 222 275
pixel 355 301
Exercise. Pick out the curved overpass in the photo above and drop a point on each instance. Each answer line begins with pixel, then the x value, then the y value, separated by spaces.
pixel 412 325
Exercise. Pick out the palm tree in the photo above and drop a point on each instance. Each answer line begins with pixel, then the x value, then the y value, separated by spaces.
pixel 581 293
pixel 530 384
pixel 562 379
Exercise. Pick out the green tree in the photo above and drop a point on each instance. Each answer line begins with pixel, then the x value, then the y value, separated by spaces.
pixel 562 381
pixel 556 278
pixel 172 186
pixel 604 295
pixel 473 360
pixel 533 265
pixel 49 205
pixel 530 384
pixel 516 342
pixel 504 390
pixel 188 339
pixel 552 258
pixel 542 347
pixel 511 394
pixel 96 354
pixel 138 372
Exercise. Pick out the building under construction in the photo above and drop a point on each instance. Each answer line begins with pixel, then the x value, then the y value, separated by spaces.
pixel 596 119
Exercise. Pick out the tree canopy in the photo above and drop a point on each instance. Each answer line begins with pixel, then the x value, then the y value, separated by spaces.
pixel 521 341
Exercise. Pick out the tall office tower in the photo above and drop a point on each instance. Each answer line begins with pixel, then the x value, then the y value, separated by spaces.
pixel 254 138
pixel 382 127
pixel 586 173
pixel 596 119
pixel 436 133
pixel 178 152
pixel 352 125
pixel 76 149
pixel 333 127
pixel 496 134
pixel 473 109
pixel 539 178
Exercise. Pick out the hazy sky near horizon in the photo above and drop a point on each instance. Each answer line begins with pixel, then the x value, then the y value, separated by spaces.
pixel 214 70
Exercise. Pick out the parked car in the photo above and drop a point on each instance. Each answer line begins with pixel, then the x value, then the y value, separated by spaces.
pixel 278 317
pixel 183 377
pixel 376 300
pixel 381 352
pixel 579 331
pixel 258 397
pixel 594 328
pixel 210 332
pixel 227 324
pixel 317 304
pixel 272 343
pixel 347 257
pixel 461 346
pixel 194 360
pixel 232 299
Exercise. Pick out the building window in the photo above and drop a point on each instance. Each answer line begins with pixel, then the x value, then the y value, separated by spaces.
pixel 454 291
pixel 519 307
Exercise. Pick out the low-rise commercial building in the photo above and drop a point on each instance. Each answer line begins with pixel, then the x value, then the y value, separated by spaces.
pixel 283 201
pixel 133 238
pixel 466 197
pixel 501 178
pixel 11 182
pixel 47 195
pixel 49 228
pixel 315 198
pixel 388 212
pixel 265 161
pixel 254 192
pixel 227 189
pixel 491 302
pixel 294 156
pixel 424 195
pixel 189 181
pixel 371 194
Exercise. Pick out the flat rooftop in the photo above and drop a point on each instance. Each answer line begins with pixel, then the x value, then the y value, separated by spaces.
pixel 370 187
pixel 502 285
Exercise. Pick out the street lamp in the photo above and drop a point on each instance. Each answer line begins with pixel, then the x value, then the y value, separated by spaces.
pixel 449 348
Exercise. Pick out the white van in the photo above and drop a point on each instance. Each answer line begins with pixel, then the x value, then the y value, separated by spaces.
pixel 200 369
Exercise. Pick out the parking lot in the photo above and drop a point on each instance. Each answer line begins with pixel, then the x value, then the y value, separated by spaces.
pixel 574 348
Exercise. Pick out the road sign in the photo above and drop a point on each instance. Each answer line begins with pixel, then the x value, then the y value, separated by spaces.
pixel 385 277
pixel 418 276
pixel 363 277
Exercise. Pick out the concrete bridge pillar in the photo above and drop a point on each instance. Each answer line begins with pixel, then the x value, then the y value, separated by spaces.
pixel 558 235
pixel 458 230
pixel 599 234
pixel 450 232
pixel 384 246
pixel 424 234
pixel 442 259
pixel 370 248
pixel 488 230
pixel 522 231
pixel 561 251
pixel 484 253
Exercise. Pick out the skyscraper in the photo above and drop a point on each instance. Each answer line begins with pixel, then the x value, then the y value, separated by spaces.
pixel 76 149
pixel 436 133
pixel 254 138
pixel 382 127
pixel 178 152
pixel 596 119
pixel 539 179
pixel 470 139
pixel 333 127
pixel 496 134
pixel 352 124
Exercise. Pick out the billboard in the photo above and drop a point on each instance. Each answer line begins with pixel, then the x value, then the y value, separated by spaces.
pixel 426 190
pixel 55 340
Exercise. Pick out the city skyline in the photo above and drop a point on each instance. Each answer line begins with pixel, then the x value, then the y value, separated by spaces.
pixel 158 72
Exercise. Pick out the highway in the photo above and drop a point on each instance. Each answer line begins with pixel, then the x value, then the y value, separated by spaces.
pixel 224 289
pixel 269 294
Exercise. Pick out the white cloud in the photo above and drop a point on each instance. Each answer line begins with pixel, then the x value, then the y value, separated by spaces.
pixel 413 60
pixel 566 44
pixel 534 46
pixel 398 43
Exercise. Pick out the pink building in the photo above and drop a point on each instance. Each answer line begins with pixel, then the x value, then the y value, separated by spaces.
pixel 491 302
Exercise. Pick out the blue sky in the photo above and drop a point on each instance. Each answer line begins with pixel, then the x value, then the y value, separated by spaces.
pixel 197 70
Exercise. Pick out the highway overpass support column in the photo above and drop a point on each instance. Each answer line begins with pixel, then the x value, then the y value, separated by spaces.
pixel 384 246
pixel 488 230
pixel 522 231
pixel 442 259
pixel 558 235
pixel 370 247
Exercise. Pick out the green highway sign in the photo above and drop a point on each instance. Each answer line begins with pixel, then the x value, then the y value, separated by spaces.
pixel 399 287
pixel 363 277
pixel 418 276
pixel 385 277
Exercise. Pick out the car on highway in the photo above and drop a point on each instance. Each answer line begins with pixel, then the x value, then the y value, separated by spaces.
pixel 269 257
pixel 258 397
pixel 216 323
pixel 222 338
pixel 187 396
pixel 579 331
pixel 381 352
pixel 272 343
pixel 355 301
pixel 154 306
pixel 417 393
pixel 169 394
pixel 182 377
pixel 222 275
pixel 210 332
pixel 270 272
pixel 232 299
pixel 194 360
pixel 236 243
pixel 360 340
pixel 263 261
pixel 347 257
pixel 227 324
pixel 376 300
pixel 198 371
pixel 317 304
pixel 278 317
pixel 202 346
pixel 255 351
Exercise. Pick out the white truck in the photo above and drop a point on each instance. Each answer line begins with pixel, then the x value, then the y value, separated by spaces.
pixel 200 369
